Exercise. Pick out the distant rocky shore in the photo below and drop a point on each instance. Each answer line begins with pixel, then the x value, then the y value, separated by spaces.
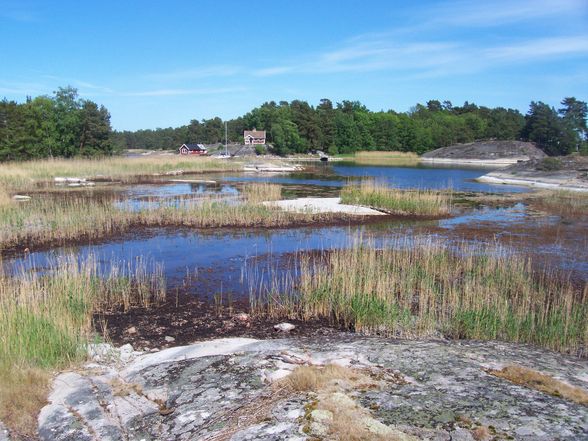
pixel 568 173
pixel 485 153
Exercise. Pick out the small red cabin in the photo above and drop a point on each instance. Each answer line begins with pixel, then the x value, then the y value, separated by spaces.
pixel 193 149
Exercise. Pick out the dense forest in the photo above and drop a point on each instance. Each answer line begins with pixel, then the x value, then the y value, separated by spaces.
pixel 59 125
pixel 65 125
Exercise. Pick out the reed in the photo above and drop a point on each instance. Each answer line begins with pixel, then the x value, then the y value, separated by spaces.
pixel 563 203
pixel 424 289
pixel 46 319
pixel 24 175
pixel 429 203
pixel 258 192
pixel 386 158
pixel 48 220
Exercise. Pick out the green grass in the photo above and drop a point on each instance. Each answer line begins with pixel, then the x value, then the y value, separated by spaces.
pixel 428 203
pixel 46 319
pixel 46 322
pixel 422 289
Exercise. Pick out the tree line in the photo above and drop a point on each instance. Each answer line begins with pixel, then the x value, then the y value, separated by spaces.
pixel 62 125
pixel 298 127
pixel 65 125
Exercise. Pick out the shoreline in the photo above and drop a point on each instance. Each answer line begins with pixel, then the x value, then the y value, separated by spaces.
pixel 498 163
pixel 551 184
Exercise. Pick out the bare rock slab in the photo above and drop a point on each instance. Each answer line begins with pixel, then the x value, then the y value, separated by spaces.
pixel 228 389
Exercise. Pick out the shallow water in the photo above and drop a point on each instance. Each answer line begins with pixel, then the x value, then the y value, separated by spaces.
pixel 224 259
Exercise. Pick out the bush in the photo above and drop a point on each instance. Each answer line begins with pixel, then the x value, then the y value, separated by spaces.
pixel 259 149
pixel 549 164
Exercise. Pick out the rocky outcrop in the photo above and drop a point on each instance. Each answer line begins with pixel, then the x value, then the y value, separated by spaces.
pixel 234 389
pixel 568 173
pixel 491 153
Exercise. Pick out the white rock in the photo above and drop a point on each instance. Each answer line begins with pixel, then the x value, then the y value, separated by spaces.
pixel 20 197
pixel 169 339
pixel 284 327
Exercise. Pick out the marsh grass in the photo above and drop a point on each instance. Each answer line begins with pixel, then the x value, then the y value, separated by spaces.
pixel 258 192
pixel 563 203
pixel 386 158
pixel 422 288
pixel 54 219
pixel 5 199
pixel 375 195
pixel 46 320
pixel 21 176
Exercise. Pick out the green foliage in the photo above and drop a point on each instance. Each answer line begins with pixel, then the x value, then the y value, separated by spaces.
pixel 550 132
pixel 549 164
pixel 62 125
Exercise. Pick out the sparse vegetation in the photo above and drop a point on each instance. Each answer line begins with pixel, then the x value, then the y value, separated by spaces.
pixel 368 193
pixel 544 383
pixel 23 392
pixel 315 378
pixel 26 175
pixel 549 164
pixel 422 288
pixel 563 203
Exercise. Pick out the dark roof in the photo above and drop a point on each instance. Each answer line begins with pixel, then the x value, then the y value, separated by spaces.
pixel 194 147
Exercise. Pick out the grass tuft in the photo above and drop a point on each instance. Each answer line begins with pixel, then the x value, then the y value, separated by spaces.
pixel 258 192
pixel 541 382
pixel 368 193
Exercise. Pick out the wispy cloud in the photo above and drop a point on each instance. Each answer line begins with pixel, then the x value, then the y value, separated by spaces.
pixel 495 13
pixel 177 92
pixel 539 49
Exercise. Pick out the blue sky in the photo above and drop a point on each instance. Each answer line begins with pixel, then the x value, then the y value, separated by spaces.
pixel 159 64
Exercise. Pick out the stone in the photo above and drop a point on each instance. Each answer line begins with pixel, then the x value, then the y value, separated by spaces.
pixel 284 327
pixel 169 339
pixel 322 416
pixel 132 330
pixel 242 317
pixel 20 197
pixel 214 390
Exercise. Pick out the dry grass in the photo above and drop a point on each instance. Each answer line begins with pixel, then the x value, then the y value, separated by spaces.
pixel 386 158
pixel 315 378
pixel 258 192
pixel 543 383
pixel 48 220
pixel 428 203
pixel 121 388
pixel 23 393
pixel 563 203
pixel 23 175
pixel 5 199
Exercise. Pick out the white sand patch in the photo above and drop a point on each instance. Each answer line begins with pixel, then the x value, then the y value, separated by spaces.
pixel 322 205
